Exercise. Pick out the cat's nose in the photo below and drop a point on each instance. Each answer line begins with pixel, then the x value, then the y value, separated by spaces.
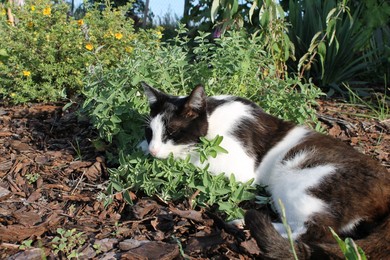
pixel 153 151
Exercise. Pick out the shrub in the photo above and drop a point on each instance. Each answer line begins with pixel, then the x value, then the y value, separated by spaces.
pixel 340 59
pixel 234 64
pixel 39 54
pixel 45 55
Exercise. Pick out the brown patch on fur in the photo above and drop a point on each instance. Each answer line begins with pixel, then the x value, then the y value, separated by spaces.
pixel 260 135
pixel 189 113
pixel 359 189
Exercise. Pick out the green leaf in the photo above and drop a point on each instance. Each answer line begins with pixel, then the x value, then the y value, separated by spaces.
pixel 3 53
pixel 341 243
pixel 235 6
pixel 214 10
pixel 117 186
pixel 280 11
pixel 251 10
pixel 322 53
pixel 127 197
pixel 115 119
pixel 213 153
pixel 330 14
pixel 218 140
pixel 322 48
pixel 353 251
pixel 225 206
pixel 220 149
pixel 67 105
pixel 264 17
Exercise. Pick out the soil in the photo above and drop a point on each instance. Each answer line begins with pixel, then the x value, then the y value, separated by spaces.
pixel 51 177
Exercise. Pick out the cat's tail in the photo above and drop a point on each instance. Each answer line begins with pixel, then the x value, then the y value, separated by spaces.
pixel 273 246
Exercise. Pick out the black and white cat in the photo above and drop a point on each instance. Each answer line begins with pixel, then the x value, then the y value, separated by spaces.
pixel 321 181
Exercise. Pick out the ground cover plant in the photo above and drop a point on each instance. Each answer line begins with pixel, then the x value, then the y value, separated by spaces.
pixel 234 64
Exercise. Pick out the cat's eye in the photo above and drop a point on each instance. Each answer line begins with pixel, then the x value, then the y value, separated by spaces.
pixel 148 133
pixel 171 132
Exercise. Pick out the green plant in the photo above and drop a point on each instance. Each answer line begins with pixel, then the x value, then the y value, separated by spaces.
pixel 350 250
pixel 77 149
pixel 211 148
pixel 271 26
pixel 38 52
pixel 68 242
pixel 98 248
pixel 287 227
pixel 46 53
pixel 329 40
pixel 26 244
pixel 32 177
pixel 179 244
pixel 378 108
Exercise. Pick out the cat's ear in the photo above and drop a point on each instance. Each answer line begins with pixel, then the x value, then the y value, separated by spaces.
pixel 196 101
pixel 151 93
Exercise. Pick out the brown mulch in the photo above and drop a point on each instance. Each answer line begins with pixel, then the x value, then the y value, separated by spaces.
pixel 51 176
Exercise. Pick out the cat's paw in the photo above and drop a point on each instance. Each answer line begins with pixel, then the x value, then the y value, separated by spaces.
pixel 144 146
pixel 237 223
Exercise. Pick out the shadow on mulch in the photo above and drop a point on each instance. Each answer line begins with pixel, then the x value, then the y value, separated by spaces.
pixel 50 177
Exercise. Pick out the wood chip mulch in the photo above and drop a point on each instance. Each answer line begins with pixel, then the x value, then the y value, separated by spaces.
pixel 51 175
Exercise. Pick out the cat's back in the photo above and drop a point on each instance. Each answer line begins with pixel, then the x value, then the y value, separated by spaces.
pixel 226 112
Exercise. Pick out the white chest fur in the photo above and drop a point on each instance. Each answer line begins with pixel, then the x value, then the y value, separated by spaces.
pixel 236 161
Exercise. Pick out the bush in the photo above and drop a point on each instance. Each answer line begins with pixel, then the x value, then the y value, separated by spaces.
pixel 45 55
pixel 234 64
pixel 340 56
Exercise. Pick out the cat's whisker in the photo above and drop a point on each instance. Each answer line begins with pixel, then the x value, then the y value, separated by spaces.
pixel 146 118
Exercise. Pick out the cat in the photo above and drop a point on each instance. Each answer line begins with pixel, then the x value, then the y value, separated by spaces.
pixel 321 181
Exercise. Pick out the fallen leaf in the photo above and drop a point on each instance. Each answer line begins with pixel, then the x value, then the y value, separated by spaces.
pixel 106 244
pixel 129 244
pixel 250 246
pixel 189 214
pixel 200 244
pixel 30 254
pixel 145 207
pixel 4 193
pixel 154 250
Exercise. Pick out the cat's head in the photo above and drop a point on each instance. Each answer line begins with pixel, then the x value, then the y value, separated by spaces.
pixel 175 123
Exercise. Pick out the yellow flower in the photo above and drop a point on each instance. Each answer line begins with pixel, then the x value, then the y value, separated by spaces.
pixel 13 95
pixel 118 36
pixel 47 11
pixel 26 73
pixel 30 24
pixel 3 12
pixel 89 46
pixel 129 49
pixel 159 34
pixel 80 22
pixel 33 8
